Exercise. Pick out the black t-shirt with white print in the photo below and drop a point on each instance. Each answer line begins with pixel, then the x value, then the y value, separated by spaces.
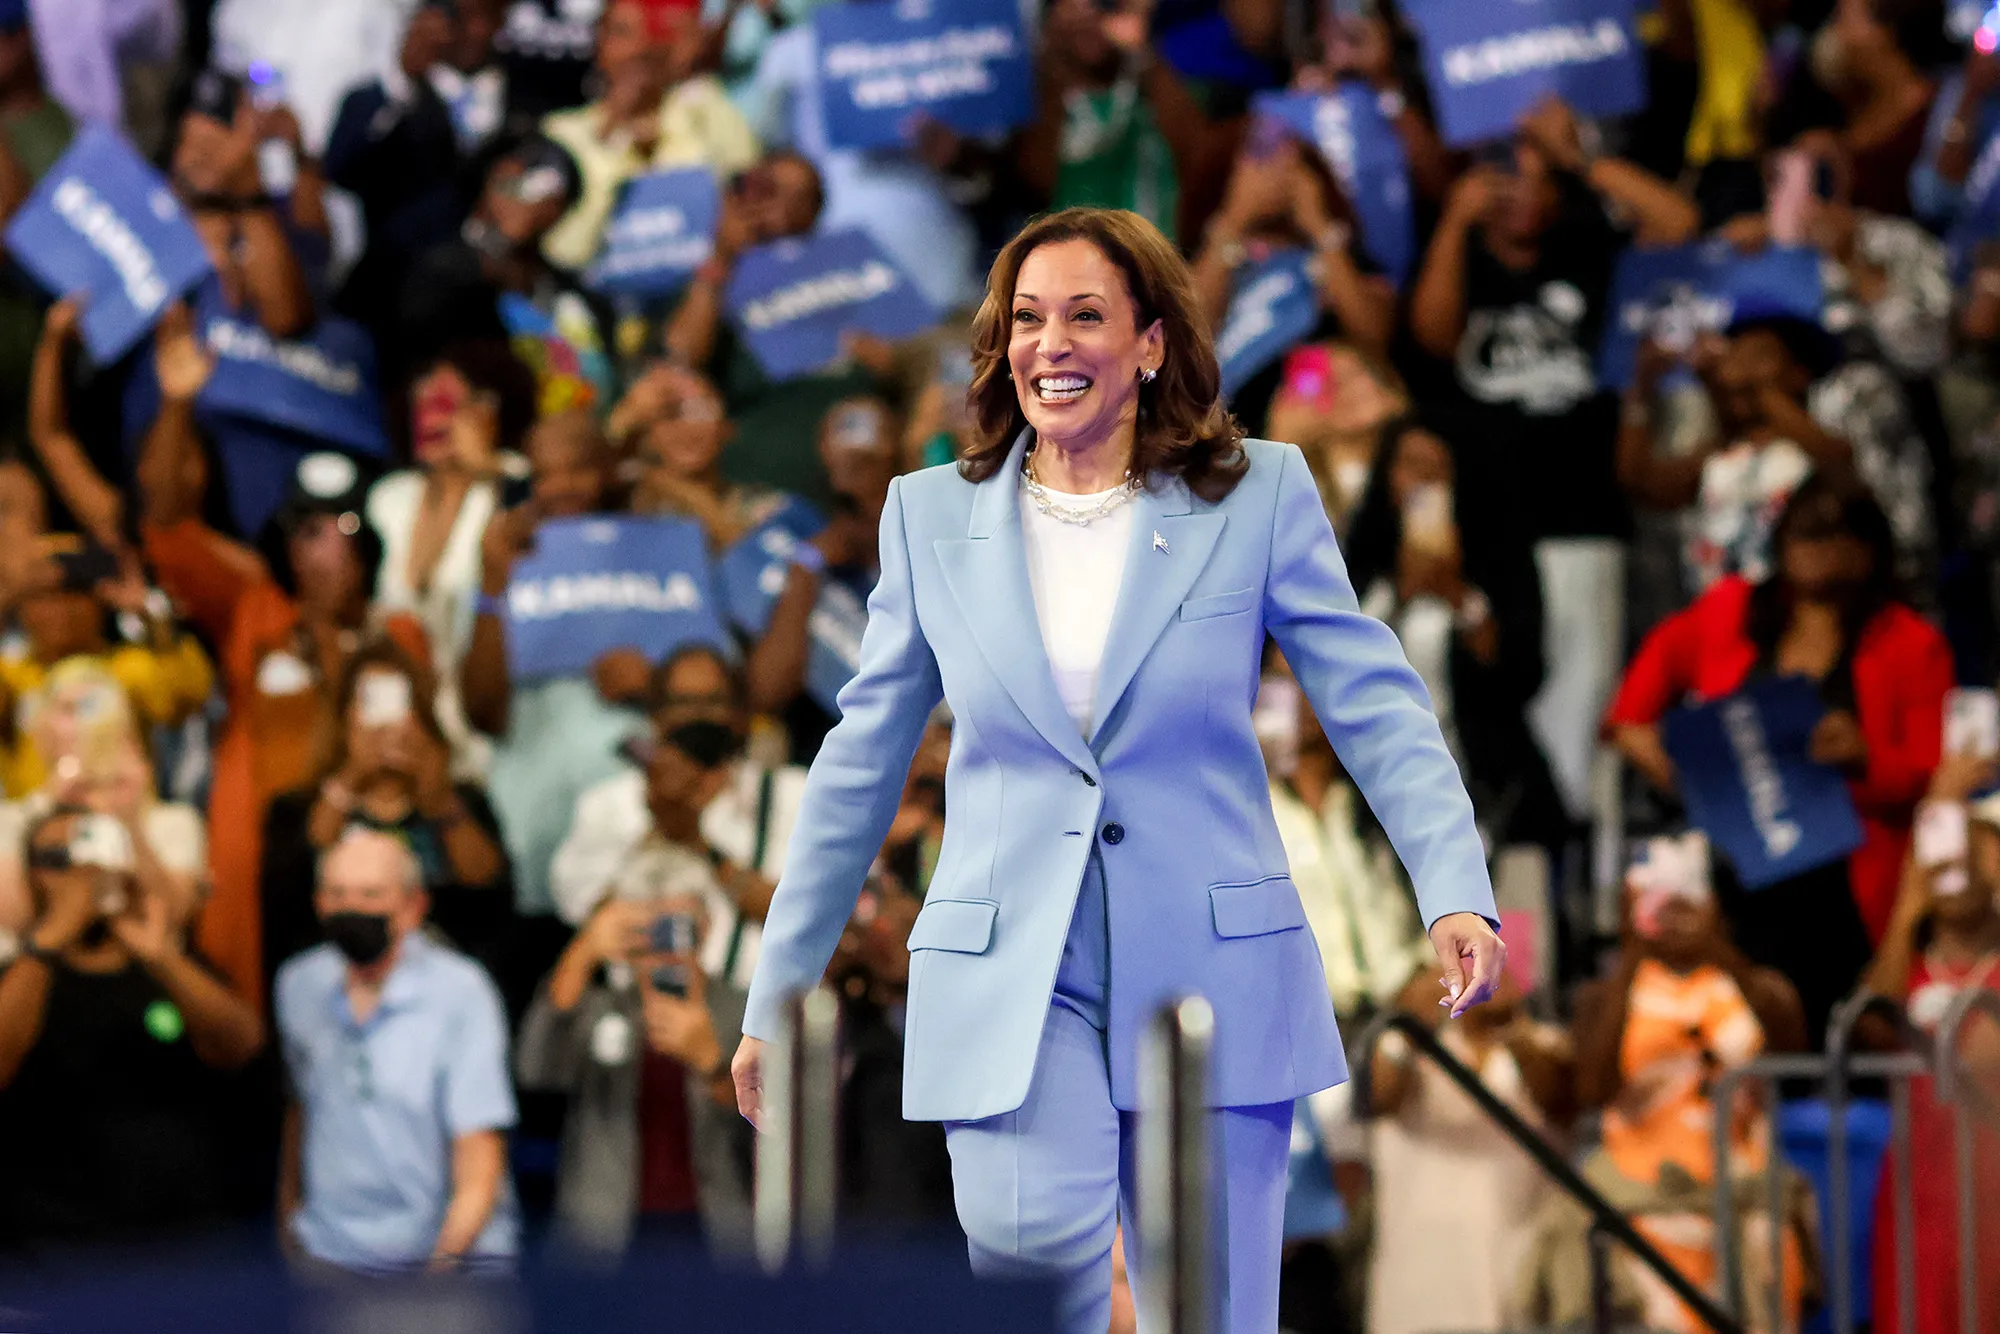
pixel 1527 362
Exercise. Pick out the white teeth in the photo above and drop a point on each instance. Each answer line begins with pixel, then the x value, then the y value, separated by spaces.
pixel 1060 388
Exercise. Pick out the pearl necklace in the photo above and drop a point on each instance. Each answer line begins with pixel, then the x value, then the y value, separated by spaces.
pixel 1080 515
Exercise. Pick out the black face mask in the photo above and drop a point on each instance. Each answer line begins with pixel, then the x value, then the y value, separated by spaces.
pixel 362 936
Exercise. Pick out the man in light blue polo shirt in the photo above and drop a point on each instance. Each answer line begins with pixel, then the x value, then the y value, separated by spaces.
pixel 395 1152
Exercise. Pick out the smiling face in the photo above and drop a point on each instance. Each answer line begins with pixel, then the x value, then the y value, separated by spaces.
pixel 1076 347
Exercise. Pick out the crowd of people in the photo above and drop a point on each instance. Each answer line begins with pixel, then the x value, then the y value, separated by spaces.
pixel 319 914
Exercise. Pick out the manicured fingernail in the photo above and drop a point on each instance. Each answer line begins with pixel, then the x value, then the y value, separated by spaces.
pixel 1444 1005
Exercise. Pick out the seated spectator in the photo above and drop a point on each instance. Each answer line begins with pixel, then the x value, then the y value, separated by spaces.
pixel 555 738
pixel 1282 196
pixel 397 148
pixel 110 1034
pixel 395 1146
pixel 491 282
pixel 1783 403
pixel 285 616
pixel 1682 1006
pixel 253 244
pixel 1512 297
pixel 388 770
pixel 1357 899
pixel 1830 613
pixel 84 725
pixel 1433 518
pixel 468 411
pixel 472 79
pixel 1333 401
pixel 654 114
pixel 1944 938
pixel 744 820
pixel 1440 1165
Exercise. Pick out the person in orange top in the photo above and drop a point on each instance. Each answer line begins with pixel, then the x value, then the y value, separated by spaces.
pixel 1683 1007
pixel 285 619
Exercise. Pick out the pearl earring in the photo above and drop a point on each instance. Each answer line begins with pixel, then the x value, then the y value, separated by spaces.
pixel 1147 375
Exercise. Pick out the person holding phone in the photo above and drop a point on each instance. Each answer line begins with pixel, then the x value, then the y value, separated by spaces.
pixel 112 1031
pixel 388 769
pixel 632 1020
pixel 1435 551
pixel 1943 938
pixel 1090 591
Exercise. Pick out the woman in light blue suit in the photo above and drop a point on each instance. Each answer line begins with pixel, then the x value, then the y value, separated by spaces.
pixel 1090 590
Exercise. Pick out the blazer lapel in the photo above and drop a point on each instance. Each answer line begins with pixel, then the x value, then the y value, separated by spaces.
pixel 1170 547
pixel 987 572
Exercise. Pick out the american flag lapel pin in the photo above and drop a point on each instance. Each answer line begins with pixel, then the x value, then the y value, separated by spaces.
pixel 1160 543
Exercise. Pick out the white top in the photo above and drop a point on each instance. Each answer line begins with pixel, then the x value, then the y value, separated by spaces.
pixel 1076 571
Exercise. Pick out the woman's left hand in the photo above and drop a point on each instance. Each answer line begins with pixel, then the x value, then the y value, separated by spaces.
pixel 1472 956
pixel 1837 741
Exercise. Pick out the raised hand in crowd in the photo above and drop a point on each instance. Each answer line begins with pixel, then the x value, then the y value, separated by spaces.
pixel 99 507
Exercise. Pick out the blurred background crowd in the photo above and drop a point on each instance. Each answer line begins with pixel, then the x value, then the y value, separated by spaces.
pixel 328 919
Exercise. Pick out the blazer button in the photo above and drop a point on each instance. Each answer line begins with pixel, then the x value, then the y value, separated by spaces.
pixel 1114 832
pixel 1088 781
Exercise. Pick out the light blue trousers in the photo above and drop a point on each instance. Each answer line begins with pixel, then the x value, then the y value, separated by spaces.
pixel 1040 1190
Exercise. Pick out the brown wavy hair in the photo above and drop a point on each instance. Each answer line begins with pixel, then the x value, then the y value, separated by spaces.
pixel 1183 429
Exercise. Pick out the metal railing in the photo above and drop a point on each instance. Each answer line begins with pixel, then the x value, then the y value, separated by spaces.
pixel 1955 1089
pixel 1607 1222
pixel 797 1147
pixel 1176 1294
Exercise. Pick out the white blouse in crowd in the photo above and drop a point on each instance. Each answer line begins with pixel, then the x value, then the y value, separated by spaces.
pixel 1076 571
pixel 446 607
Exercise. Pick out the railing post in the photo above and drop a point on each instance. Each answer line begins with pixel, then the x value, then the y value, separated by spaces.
pixel 1174 1152
pixel 1839 1190
pixel 1603 1307
pixel 796 1170
pixel 1954 1092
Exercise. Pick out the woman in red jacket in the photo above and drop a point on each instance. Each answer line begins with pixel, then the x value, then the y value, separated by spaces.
pixel 1830 612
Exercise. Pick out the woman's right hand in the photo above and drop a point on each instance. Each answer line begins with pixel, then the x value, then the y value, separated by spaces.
pixel 618 930
pixel 747 1072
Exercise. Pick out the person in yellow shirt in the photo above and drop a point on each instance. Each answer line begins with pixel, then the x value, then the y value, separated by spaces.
pixel 63 617
pixel 655 114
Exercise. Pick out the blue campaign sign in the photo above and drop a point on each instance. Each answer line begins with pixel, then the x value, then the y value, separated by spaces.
pixel 321 384
pixel 1677 295
pixel 595 584
pixel 1750 786
pixel 1490 60
pixel 661 231
pixel 1367 157
pixel 752 573
pixel 793 299
pixel 104 224
pixel 961 62
pixel 1274 307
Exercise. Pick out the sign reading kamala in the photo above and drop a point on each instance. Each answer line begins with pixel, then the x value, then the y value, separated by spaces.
pixel 1362 147
pixel 752 575
pixel 1490 60
pixel 321 385
pixel 961 62
pixel 661 231
pixel 103 224
pixel 1274 307
pixel 1750 786
pixel 792 300
pixel 595 584
pixel 1677 295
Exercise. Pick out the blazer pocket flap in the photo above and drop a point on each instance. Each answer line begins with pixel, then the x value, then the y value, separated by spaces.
pixel 1256 907
pixel 1218 604
pixel 963 926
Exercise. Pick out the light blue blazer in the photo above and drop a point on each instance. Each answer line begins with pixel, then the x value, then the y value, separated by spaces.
pixel 1171 787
